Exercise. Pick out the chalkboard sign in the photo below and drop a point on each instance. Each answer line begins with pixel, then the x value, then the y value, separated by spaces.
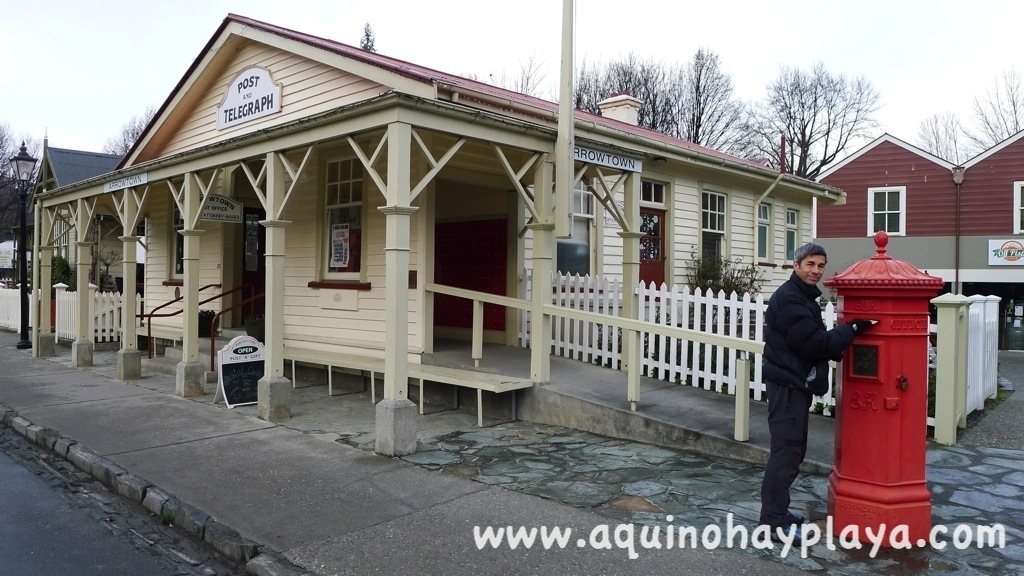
pixel 240 370
pixel 865 360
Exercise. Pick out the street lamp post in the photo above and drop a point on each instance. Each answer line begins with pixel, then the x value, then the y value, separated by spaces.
pixel 23 165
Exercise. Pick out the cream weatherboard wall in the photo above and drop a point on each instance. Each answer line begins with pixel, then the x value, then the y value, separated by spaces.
pixel 683 210
pixel 308 88
pixel 314 318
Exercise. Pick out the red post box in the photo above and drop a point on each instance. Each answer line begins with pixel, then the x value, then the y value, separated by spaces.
pixel 878 475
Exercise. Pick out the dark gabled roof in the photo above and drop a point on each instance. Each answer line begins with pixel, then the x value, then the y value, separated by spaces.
pixel 71 166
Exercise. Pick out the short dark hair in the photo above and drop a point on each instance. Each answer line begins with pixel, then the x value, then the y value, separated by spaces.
pixel 807 250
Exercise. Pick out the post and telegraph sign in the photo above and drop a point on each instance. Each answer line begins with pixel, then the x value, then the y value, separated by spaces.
pixel 250 95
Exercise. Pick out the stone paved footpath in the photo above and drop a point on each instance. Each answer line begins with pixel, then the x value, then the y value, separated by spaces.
pixel 642 484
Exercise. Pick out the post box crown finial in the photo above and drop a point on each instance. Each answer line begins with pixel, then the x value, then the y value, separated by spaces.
pixel 881 241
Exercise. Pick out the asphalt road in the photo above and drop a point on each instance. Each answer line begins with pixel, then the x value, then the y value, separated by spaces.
pixel 56 521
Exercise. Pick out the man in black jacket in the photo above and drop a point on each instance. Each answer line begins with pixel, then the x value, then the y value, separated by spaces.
pixel 797 349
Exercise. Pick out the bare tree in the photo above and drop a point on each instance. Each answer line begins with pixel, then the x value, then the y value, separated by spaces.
pixel 999 113
pixel 367 41
pixel 130 133
pixel 820 114
pixel 648 81
pixel 528 80
pixel 9 199
pixel 709 114
pixel 944 136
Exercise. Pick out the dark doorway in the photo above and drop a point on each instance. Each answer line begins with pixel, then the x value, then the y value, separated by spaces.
pixel 471 255
pixel 254 267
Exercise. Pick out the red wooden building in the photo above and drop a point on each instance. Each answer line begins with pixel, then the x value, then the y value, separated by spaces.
pixel 961 223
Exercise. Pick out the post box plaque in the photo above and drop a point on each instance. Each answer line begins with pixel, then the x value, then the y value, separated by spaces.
pixel 865 360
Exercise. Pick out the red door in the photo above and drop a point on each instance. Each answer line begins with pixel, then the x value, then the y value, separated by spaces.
pixel 652 246
pixel 470 255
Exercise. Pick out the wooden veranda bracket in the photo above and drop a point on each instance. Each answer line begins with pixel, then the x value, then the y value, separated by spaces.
pixel 82 211
pixel 275 212
pixel 606 196
pixel 256 181
pixel 368 163
pixel 49 223
pixel 121 202
pixel 435 165
pixel 516 176
pixel 204 195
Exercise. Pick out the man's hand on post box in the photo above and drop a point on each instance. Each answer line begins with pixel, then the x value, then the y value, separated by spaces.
pixel 861 324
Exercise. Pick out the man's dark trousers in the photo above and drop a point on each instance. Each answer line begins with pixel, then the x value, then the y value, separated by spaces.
pixel 787 422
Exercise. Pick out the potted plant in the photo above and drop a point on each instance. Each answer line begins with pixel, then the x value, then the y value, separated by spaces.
pixel 255 326
pixel 205 322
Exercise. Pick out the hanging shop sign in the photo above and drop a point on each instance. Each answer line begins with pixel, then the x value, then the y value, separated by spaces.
pixel 251 95
pixel 601 158
pixel 126 182
pixel 1008 252
pixel 221 209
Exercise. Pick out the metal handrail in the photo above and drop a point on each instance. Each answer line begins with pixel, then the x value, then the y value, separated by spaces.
pixel 153 314
pixel 216 318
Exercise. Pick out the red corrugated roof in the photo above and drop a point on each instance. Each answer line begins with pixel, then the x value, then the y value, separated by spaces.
pixel 429 76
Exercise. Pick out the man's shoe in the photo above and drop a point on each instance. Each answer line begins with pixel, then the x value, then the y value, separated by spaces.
pixel 794 518
pixel 790 532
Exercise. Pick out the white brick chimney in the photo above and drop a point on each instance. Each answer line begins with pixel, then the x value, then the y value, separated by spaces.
pixel 621 107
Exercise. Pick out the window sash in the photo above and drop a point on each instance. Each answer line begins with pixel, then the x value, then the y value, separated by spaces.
pixel 792 233
pixel 887 210
pixel 652 192
pixel 764 212
pixel 713 212
pixel 343 219
pixel 1018 207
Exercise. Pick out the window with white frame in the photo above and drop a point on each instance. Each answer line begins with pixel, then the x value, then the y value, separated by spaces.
pixel 343 219
pixel 887 210
pixel 573 254
pixel 764 224
pixel 1018 208
pixel 652 192
pixel 792 233
pixel 712 224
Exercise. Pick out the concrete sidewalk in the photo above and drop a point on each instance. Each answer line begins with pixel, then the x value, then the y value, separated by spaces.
pixel 303 500
pixel 308 494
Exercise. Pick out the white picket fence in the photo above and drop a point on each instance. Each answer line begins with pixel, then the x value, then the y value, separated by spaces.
pixel 674 360
pixel 983 351
pixel 10 308
pixel 704 365
pixel 105 314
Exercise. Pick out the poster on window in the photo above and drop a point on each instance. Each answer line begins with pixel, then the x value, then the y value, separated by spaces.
pixel 339 246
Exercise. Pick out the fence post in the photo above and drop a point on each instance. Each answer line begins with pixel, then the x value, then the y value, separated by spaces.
pixel 92 312
pixel 742 425
pixel 949 403
pixel 991 351
pixel 60 322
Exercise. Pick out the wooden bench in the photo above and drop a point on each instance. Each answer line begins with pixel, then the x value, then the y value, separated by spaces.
pixel 469 379
pixel 480 381
pixel 336 359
